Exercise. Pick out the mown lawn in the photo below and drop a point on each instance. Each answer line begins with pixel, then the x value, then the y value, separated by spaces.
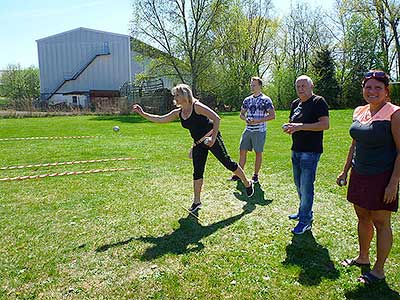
pixel 126 235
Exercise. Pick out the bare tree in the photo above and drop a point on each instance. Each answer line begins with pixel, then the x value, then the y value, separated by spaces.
pixel 387 15
pixel 307 32
pixel 181 29
pixel 392 16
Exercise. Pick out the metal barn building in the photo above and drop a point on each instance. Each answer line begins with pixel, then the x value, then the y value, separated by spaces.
pixel 82 63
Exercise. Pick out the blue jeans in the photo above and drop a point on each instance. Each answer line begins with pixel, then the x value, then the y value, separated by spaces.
pixel 304 170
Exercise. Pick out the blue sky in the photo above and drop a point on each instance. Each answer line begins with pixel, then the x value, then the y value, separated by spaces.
pixel 22 22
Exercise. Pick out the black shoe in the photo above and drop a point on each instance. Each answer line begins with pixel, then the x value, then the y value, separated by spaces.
pixel 195 207
pixel 234 178
pixel 255 178
pixel 250 190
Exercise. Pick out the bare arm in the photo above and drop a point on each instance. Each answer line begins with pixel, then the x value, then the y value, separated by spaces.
pixel 204 110
pixel 270 116
pixel 322 124
pixel 347 165
pixel 243 114
pixel 171 116
pixel 391 189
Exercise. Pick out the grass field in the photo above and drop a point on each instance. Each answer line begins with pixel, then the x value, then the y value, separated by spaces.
pixel 126 235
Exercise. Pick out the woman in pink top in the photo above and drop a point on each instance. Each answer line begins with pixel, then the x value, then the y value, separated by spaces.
pixel 374 160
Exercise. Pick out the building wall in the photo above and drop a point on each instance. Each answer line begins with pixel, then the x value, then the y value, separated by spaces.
pixel 64 54
pixel 81 100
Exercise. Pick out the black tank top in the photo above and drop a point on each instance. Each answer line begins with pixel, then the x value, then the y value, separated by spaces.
pixel 198 125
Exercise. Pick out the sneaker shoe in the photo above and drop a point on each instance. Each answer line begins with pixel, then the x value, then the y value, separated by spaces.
pixel 195 207
pixel 296 217
pixel 301 228
pixel 250 189
pixel 255 178
pixel 234 178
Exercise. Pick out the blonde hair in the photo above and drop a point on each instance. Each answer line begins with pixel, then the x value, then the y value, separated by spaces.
pixel 184 91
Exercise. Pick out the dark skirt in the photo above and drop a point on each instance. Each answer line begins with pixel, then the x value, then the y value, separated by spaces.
pixel 368 191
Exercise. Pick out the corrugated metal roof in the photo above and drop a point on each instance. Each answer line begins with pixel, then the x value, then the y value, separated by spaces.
pixel 84 29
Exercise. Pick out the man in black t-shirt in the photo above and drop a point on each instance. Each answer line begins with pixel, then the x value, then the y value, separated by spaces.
pixel 309 117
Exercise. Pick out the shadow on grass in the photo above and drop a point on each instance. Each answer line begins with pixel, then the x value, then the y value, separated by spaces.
pixel 315 261
pixel 379 291
pixel 257 199
pixel 185 239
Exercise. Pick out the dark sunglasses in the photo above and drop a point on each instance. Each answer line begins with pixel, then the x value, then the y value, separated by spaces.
pixel 379 74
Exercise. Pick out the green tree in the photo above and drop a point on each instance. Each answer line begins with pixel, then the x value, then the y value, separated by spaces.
pixel 21 86
pixel 281 89
pixel 303 31
pixel 324 76
pixel 386 15
pixel 245 42
pixel 357 51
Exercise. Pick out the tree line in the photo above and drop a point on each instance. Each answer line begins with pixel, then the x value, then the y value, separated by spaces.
pixel 20 86
pixel 217 45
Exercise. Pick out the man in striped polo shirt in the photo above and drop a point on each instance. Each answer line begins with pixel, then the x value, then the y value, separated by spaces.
pixel 256 110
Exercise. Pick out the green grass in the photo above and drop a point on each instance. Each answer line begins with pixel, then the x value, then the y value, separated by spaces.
pixel 125 235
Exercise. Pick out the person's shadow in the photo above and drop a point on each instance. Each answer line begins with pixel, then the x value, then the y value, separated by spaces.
pixel 379 291
pixel 257 199
pixel 314 259
pixel 187 238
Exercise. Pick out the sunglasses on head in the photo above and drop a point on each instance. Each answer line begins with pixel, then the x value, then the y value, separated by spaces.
pixel 378 74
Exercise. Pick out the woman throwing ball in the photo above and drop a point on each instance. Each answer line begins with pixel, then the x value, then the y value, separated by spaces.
pixel 203 124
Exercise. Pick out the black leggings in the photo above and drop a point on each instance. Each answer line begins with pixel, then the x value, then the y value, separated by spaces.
pixel 200 153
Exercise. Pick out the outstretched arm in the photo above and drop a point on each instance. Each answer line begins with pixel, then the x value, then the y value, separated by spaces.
pixel 171 116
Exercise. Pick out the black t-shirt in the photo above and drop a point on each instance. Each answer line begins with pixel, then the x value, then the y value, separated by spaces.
pixel 308 112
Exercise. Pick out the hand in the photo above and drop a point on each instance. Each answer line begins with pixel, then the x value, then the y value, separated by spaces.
pixel 290 128
pixel 250 121
pixel 341 180
pixel 285 126
pixel 390 193
pixel 209 142
pixel 137 109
